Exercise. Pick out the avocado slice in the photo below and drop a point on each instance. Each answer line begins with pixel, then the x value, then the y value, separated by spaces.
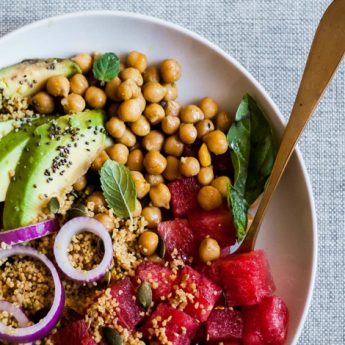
pixel 11 148
pixel 57 154
pixel 29 76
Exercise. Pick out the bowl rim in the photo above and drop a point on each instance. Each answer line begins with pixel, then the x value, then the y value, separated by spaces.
pixel 245 72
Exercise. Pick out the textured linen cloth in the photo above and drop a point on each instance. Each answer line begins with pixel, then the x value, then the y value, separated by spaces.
pixel 271 38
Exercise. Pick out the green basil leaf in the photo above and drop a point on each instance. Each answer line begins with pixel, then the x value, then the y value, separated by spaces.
pixel 106 67
pixel 118 188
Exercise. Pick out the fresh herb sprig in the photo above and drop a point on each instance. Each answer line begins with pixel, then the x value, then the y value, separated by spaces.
pixel 106 67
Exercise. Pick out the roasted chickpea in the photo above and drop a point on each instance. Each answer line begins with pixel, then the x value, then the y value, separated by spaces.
pixel 216 142
pixel 189 166
pixel 172 108
pixel 129 111
pixel 154 162
pixel 73 103
pixel 205 176
pixel 153 216
pixel 106 220
pixel 151 74
pixel 128 89
pixel 141 127
pixel 170 70
pixel 154 113
pixel 153 141
pixel 112 87
pixel 79 84
pixel 170 124
pixel 171 92
pixel 95 97
pixel 153 92
pixel 97 198
pixel 132 73
pixel 148 243
pixel 135 160
pixel 204 127
pixel 99 161
pixel 204 156
pixel 80 184
pixel 223 121
pixel 209 107
pixel 142 102
pixel 153 180
pixel 209 198
pixel 118 153
pixel 43 103
pixel 137 60
pixel 173 146
pixel 84 61
pixel 128 138
pixel 188 133
pixel 160 196
pixel 191 114
pixel 138 209
pixel 221 183
pixel 115 127
pixel 58 86
pixel 209 250
pixel 172 171
pixel 142 186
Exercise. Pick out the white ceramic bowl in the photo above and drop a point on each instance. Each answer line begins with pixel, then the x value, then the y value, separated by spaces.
pixel 289 231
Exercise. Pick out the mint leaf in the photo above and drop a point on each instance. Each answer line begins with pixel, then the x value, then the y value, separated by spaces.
pixel 118 188
pixel 106 67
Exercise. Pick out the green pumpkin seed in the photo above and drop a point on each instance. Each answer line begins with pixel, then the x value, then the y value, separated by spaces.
pixel 76 211
pixel 111 337
pixel 161 249
pixel 144 295
pixel 54 205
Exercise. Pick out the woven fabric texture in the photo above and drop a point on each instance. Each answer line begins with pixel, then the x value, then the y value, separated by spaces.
pixel 271 38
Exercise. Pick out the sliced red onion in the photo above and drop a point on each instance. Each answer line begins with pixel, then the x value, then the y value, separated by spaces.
pixel 30 232
pixel 45 325
pixel 16 312
pixel 64 238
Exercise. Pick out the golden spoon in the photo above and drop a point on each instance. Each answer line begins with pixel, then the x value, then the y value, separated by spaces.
pixel 325 55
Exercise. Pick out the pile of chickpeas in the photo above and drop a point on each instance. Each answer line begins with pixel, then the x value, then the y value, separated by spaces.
pixel 151 131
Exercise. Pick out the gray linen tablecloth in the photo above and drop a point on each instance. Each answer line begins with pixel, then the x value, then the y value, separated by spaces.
pixel 271 38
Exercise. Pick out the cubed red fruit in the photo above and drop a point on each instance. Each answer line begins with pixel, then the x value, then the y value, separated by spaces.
pixel 195 294
pixel 265 323
pixel 210 271
pixel 246 278
pixel 158 276
pixel 184 194
pixel 178 238
pixel 216 224
pixel 178 327
pixel 224 324
pixel 129 313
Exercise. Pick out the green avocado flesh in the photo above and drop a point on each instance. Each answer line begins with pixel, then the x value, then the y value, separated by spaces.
pixel 11 148
pixel 29 77
pixel 57 154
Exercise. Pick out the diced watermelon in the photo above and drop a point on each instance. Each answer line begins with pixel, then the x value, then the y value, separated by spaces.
pixel 265 323
pixel 200 336
pixel 129 312
pixel 224 324
pixel 76 333
pixel 179 327
pixel 158 276
pixel 216 224
pixel 184 194
pixel 210 271
pixel 88 341
pixel 201 294
pixel 178 237
pixel 246 278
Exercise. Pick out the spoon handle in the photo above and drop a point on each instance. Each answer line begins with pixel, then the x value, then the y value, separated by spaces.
pixel 325 55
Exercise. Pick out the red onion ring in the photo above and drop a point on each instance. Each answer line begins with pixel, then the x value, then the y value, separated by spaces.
pixel 44 326
pixel 30 232
pixel 74 227
pixel 16 312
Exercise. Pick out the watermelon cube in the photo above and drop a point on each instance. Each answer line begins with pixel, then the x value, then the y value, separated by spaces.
pixel 178 238
pixel 210 271
pixel 265 323
pixel 175 326
pixel 129 312
pixel 194 294
pixel 224 324
pixel 246 278
pixel 159 277
pixel 184 194
pixel 216 224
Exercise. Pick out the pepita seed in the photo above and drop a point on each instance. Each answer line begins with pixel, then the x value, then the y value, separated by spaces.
pixel 161 249
pixel 76 211
pixel 111 337
pixel 144 295
pixel 54 205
